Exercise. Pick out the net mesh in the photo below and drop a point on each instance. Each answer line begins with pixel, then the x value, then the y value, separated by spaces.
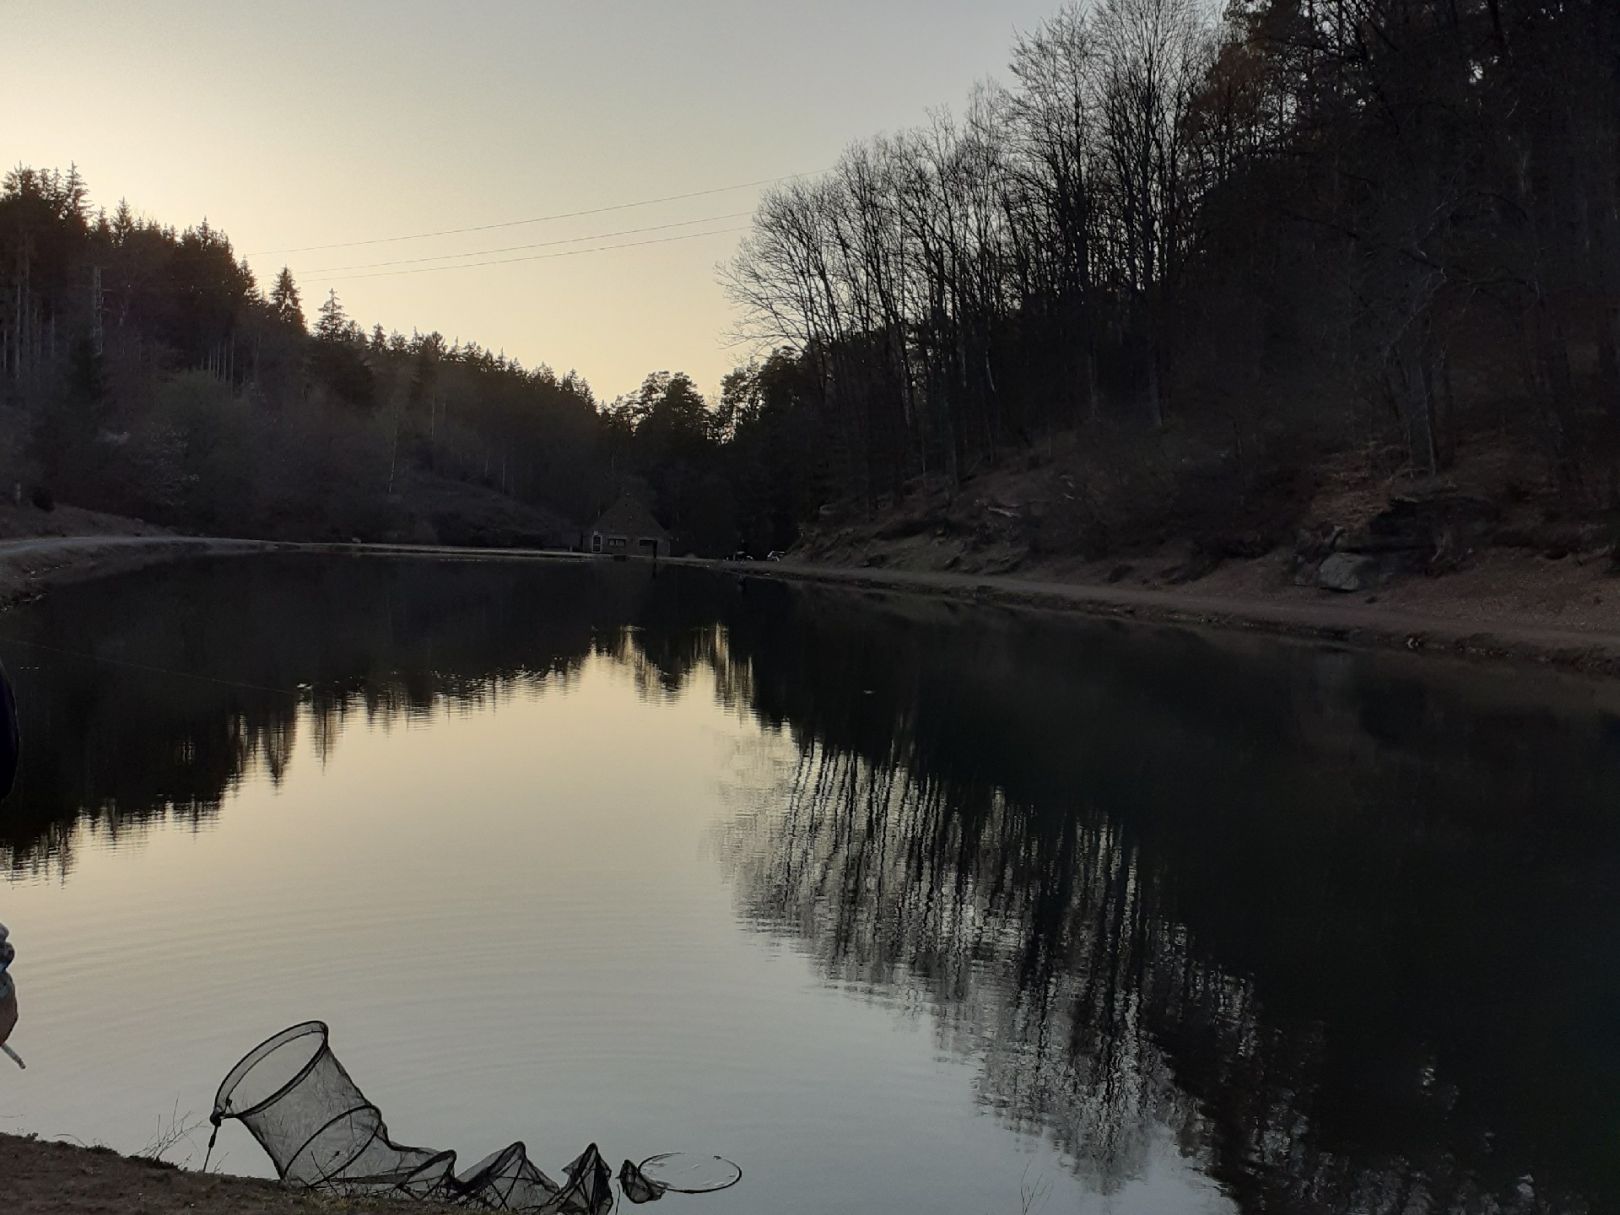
pixel 507 1180
pixel 316 1125
pixel 321 1133
pixel 589 1188
pixel 637 1186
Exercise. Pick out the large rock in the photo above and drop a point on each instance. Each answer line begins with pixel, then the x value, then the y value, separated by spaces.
pixel 1347 572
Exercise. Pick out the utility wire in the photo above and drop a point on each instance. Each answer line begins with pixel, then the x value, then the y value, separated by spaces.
pixel 538 219
pixel 545 244
pixel 537 257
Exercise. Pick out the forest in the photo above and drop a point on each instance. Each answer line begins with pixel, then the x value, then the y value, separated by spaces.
pixel 146 372
pixel 1183 262
pixel 1195 264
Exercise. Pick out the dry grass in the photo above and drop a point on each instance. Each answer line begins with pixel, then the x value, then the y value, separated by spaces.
pixel 40 1178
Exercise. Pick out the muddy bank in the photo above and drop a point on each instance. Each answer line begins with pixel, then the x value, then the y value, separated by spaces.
pixel 1505 610
pixel 41 1178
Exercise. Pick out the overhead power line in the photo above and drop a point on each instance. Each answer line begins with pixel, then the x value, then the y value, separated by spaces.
pixel 538 257
pixel 545 244
pixel 537 219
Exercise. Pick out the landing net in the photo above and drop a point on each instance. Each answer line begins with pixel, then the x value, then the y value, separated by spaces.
pixel 321 1133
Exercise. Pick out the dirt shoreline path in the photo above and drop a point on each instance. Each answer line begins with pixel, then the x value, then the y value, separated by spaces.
pixel 1476 630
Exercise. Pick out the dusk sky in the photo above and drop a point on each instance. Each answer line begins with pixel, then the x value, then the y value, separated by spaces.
pixel 292 125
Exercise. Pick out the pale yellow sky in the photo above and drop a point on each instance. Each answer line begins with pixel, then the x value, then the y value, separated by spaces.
pixel 298 124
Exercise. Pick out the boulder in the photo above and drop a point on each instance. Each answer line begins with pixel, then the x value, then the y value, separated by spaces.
pixel 1347 572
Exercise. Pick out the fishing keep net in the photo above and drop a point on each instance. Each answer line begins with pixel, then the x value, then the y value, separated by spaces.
pixel 321 1133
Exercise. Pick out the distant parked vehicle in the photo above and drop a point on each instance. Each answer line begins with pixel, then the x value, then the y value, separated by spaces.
pixel 740 555
pixel 775 554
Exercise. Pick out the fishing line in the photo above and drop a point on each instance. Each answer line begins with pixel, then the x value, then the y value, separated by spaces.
pixel 150 668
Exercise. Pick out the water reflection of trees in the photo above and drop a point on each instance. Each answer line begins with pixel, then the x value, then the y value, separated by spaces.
pixel 1339 929
pixel 155 701
pixel 1027 946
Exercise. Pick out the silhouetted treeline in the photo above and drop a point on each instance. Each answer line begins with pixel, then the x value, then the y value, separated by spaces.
pixel 144 370
pixel 1218 249
pixel 1210 253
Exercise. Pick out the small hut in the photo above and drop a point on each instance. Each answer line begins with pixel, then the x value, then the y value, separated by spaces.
pixel 627 529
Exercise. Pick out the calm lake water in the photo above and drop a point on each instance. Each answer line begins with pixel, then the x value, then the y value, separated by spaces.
pixel 903 906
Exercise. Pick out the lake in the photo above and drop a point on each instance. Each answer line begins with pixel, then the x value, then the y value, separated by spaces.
pixel 902 905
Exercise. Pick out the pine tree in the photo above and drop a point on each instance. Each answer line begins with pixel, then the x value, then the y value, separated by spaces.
pixel 123 222
pixel 75 196
pixel 333 323
pixel 250 284
pixel 284 301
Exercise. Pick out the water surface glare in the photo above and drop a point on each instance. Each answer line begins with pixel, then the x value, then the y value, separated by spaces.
pixel 903 906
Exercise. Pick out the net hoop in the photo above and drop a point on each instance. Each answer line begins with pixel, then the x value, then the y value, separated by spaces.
pixel 682 1172
pixel 245 1065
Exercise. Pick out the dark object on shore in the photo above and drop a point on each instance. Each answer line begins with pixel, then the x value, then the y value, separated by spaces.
pixel 10 740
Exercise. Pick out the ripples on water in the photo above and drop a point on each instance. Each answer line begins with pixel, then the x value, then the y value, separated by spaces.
pixel 904 906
